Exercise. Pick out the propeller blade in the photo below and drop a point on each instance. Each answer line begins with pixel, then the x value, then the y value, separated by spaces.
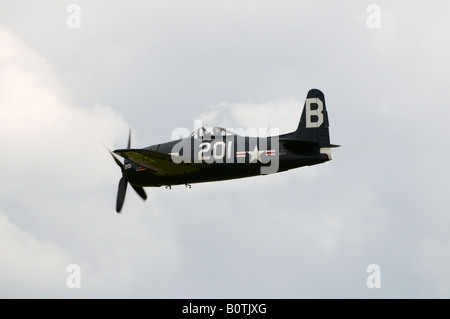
pixel 118 162
pixel 140 191
pixel 123 183
pixel 129 140
pixel 121 193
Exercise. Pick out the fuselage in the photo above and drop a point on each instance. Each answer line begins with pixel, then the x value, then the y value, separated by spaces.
pixel 226 157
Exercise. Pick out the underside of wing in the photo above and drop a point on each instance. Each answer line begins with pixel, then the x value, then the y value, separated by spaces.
pixel 160 163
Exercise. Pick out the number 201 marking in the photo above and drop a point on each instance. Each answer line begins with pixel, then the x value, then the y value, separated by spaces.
pixel 218 150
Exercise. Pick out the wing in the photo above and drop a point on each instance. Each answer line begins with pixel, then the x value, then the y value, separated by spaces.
pixel 160 163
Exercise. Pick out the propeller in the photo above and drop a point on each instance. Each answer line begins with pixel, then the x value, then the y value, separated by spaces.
pixel 123 183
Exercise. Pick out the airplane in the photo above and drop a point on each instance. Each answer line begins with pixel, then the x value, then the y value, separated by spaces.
pixel 216 154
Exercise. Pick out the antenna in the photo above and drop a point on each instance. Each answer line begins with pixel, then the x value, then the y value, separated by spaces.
pixel 268 129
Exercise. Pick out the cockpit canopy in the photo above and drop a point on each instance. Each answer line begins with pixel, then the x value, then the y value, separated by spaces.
pixel 210 132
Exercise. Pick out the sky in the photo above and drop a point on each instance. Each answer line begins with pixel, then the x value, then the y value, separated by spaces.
pixel 76 75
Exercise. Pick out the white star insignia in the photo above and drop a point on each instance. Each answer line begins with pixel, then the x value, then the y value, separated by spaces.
pixel 255 154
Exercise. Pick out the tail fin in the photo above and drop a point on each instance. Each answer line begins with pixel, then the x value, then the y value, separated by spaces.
pixel 313 125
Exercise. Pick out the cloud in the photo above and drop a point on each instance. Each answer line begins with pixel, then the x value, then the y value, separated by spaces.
pixel 52 158
pixel 29 266
pixel 38 119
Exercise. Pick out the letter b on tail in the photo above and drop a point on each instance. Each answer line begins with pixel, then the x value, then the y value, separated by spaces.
pixel 314 117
